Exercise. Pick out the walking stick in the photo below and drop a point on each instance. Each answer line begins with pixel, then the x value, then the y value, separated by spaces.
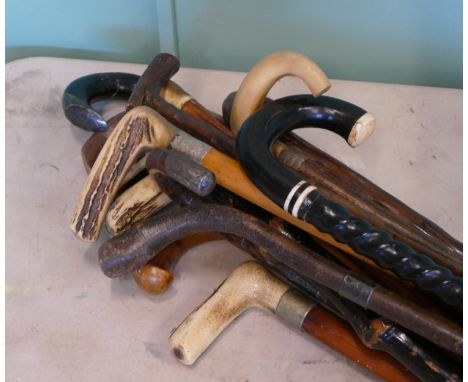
pixel 134 247
pixel 304 201
pixel 250 285
pixel 333 178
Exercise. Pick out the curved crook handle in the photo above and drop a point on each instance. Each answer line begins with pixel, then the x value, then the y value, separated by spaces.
pixel 304 201
pixel 79 94
pixel 261 78
pixel 78 97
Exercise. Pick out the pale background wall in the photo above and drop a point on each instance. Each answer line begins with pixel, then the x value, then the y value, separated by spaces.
pixel 399 41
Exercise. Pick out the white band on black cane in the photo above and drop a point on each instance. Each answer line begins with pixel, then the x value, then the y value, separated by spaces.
pixel 291 194
pixel 301 199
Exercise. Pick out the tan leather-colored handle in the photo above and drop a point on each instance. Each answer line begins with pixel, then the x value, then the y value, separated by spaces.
pixel 261 78
pixel 140 129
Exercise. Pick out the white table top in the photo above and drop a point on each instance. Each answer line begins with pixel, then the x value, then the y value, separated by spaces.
pixel 66 321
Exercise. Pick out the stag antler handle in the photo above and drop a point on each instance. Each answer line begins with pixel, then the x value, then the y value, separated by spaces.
pixel 140 129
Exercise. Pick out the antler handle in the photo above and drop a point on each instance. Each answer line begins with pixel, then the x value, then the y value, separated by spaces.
pixel 139 130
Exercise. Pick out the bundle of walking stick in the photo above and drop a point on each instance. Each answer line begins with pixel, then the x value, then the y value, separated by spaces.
pixel 336 256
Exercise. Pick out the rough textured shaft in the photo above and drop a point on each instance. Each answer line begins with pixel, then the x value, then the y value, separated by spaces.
pixel 133 248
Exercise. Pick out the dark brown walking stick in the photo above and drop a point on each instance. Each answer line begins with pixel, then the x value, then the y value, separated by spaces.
pixel 426 237
pixel 134 247
pixel 156 276
pixel 365 199
pixel 374 332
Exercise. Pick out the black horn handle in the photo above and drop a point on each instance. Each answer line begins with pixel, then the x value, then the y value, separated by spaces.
pixel 78 97
pixel 304 201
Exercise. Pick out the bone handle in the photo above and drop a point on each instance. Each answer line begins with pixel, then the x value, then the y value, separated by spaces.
pixel 232 298
pixel 292 308
pixel 261 78
pixel 139 130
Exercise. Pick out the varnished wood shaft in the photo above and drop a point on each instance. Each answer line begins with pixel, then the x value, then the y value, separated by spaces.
pixel 363 198
pixel 251 95
pixel 336 333
pixel 230 175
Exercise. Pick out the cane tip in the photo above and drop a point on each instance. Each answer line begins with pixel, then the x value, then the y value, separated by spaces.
pixel 152 279
pixel 184 356
pixel 362 130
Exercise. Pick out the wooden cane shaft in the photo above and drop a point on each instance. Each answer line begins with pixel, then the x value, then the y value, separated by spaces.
pixel 230 175
pixel 389 281
pixel 338 335
pixel 196 109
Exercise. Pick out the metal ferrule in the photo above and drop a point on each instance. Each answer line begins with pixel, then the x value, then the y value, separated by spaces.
pixel 190 146
pixel 357 290
pixel 293 308
pixel 182 169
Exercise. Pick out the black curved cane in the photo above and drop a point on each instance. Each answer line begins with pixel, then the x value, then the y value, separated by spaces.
pixel 80 93
pixel 304 201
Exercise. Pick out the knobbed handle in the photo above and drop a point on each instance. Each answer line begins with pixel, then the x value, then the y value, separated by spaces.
pixel 79 94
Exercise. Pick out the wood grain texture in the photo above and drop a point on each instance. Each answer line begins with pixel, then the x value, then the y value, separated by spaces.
pixel 157 275
pixel 139 130
pixel 336 333
pixel 364 198
pixel 229 174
